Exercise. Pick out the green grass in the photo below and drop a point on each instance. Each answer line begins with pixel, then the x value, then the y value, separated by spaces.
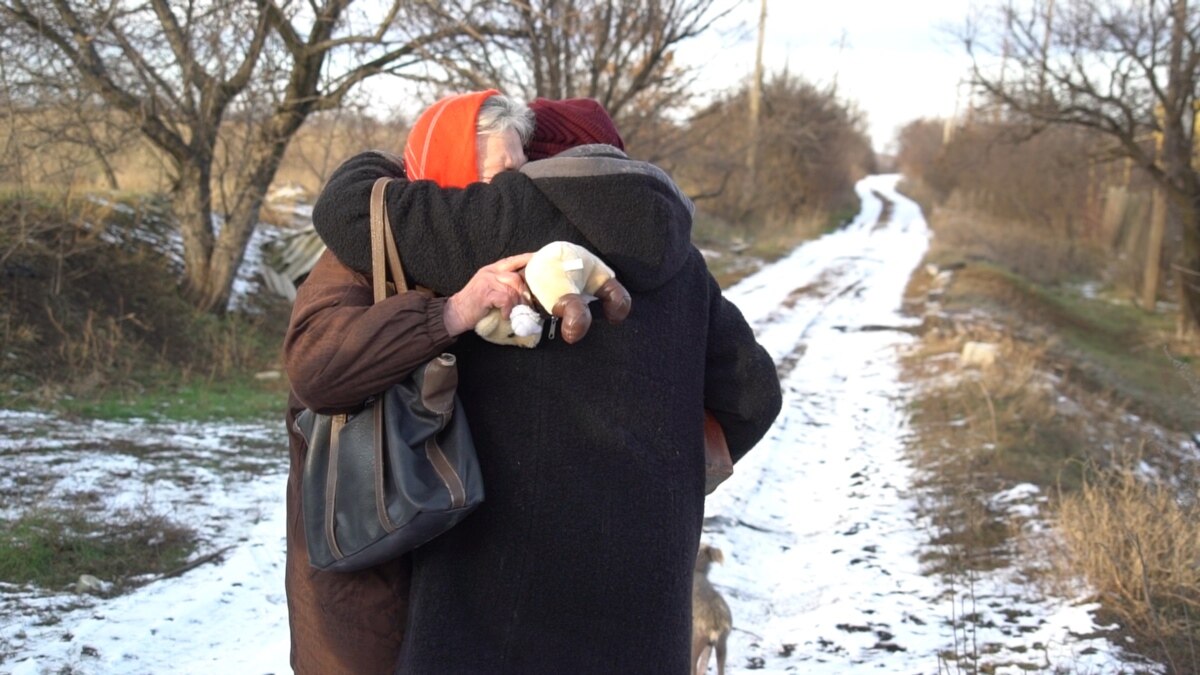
pixel 1114 348
pixel 241 399
pixel 52 548
pixel 842 217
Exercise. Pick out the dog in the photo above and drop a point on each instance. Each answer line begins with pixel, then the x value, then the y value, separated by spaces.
pixel 711 618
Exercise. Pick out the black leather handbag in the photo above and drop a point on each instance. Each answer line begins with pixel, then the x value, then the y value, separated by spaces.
pixel 382 481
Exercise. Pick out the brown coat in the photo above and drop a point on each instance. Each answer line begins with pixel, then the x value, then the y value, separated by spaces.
pixel 339 350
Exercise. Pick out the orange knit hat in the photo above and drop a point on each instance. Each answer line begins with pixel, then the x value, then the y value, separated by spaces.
pixel 441 145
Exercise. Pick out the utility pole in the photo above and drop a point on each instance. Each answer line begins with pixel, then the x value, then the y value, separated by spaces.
pixel 949 126
pixel 837 69
pixel 755 109
pixel 1005 53
pixel 1045 56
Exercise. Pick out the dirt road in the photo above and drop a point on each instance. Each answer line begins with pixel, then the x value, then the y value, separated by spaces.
pixel 822 538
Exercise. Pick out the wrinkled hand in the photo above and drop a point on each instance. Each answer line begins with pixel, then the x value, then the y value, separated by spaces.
pixel 498 285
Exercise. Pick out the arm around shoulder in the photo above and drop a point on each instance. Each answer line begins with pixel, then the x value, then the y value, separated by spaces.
pixel 444 235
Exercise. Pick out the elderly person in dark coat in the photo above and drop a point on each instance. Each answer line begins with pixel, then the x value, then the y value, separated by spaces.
pixel 592 455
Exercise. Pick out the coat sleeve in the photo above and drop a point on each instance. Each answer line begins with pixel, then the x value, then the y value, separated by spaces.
pixel 741 385
pixel 444 235
pixel 342 348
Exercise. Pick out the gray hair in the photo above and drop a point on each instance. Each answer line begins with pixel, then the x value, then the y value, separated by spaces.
pixel 500 112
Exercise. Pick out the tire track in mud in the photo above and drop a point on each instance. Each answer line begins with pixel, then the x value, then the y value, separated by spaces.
pixel 820 294
pixel 885 214
pixel 829 285
pixel 792 321
pixel 814 498
pixel 788 362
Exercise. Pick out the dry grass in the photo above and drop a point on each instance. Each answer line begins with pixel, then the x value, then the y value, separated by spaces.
pixel 1021 224
pixel 743 249
pixel 1137 543
pixel 90 310
pixel 1035 253
pixel 977 432
pixel 920 192
pixel 327 141
pixel 1035 417
pixel 1003 421
pixel 44 158
pixel 1113 348
pixel 776 238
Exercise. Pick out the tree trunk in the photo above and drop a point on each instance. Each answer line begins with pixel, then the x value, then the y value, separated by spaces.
pixel 235 232
pixel 227 259
pixel 1189 261
pixel 212 254
pixel 110 176
pixel 192 206
pixel 1179 176
pixel 168 70
pixel 1154 243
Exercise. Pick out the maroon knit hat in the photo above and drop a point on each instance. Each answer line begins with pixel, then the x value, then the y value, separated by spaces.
pixel 564 124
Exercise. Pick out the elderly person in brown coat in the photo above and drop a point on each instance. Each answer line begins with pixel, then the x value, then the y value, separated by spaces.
pixel 580 558
pixel 340 348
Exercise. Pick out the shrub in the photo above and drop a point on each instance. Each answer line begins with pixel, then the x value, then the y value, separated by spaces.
pixel 90 301
pixel 1138 546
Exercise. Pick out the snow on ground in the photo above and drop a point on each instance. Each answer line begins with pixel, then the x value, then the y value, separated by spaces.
pixel 818 522
pixel 226 480
pixel 818 525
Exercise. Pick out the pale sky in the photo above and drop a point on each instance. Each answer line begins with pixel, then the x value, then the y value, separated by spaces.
pixel 900 60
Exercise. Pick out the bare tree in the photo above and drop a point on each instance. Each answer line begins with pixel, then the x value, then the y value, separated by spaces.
pixel 192 75
pixel 813 147
pixel 619 52
pixel 328 138
pixel 1106 65
pixel 64 129
pixel 919 143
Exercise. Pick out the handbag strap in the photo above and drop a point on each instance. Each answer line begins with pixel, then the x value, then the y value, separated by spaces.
pixel 383 244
